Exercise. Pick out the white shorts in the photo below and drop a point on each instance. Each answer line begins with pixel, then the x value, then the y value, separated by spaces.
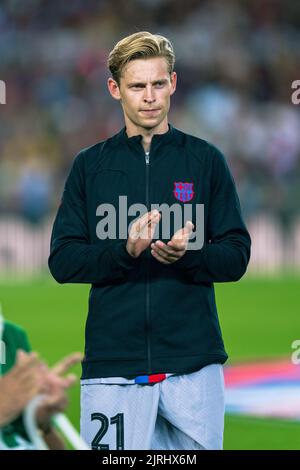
pixel 184 412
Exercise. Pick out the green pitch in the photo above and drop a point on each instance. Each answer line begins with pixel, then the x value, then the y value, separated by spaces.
pixel 259 319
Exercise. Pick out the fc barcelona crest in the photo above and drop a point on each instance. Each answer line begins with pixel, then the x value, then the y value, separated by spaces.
pixel 184 191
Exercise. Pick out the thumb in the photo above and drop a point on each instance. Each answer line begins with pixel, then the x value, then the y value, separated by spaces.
pixel 188 228
pixel 23 357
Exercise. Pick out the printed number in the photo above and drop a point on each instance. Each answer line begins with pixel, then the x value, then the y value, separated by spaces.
pixel 118 420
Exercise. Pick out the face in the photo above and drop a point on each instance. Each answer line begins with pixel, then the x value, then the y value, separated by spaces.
pixel 144 92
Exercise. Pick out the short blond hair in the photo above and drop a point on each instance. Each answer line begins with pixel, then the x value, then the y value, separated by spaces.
pixel 141 45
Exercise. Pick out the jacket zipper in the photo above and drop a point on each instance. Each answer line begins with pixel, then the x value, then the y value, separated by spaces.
pixel 147 159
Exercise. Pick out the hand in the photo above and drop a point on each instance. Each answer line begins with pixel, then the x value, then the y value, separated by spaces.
pixel 175 248
pixel 141 233
pixel 55 386
pixel 23 382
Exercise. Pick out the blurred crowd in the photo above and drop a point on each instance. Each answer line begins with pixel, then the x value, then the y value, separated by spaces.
pixel 236 61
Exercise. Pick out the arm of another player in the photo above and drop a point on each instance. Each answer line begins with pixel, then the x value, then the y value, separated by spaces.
pixel 19 386
pixel 56 384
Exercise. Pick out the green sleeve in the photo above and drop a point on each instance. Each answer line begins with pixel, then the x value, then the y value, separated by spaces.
pixel 14 338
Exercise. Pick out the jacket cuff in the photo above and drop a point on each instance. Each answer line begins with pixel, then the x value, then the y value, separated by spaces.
pixel 122 257
pixel 190 260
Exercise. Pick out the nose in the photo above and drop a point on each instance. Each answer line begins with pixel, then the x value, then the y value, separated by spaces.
pixel 149 94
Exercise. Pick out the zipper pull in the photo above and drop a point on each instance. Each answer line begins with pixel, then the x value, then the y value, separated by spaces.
pixel 147 157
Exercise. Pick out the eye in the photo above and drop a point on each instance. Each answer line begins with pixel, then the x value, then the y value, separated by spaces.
pixel 159 84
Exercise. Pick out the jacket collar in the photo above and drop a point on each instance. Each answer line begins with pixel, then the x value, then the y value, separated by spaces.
pixel 157 139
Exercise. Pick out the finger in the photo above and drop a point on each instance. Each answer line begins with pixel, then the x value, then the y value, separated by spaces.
pixel 35 375
pixel 147 231
pixel 164 248
pixel 166 256
pixel 138 227
pixel 159 258
pixel 64 365
pixel 21 356
pixel 152 226
pixel 146 218
pixel 152 217
pixel 66 382
pixel 178 246
pixel 184 232
pixel 70 380
pixel 138 224
pixel 24 358
pixel 188 228
pixel 27 367
pixel 180 239
pixel 31 387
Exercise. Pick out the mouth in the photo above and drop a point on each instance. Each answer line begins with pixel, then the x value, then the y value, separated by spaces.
pixel 149 111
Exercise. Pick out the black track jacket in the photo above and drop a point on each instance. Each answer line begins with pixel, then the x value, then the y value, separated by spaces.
pixel 146 317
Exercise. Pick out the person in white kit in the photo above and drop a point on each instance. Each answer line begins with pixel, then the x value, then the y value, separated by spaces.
pixel 152 376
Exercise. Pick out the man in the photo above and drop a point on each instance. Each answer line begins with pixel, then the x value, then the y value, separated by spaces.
pixel 152 373
pixel 23 377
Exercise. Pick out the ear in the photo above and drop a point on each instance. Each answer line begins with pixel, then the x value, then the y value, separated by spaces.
pixel 173 82
pixel 113 88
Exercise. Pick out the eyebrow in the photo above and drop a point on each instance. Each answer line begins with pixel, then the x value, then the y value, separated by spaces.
pixel 162 80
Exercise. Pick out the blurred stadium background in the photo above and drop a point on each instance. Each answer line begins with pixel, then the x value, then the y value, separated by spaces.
pixel 236 62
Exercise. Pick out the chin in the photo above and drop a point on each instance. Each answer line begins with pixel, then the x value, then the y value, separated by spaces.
pixel 151 122
pixel 150 125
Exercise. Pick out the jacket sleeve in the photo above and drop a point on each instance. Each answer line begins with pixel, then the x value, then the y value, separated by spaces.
pixel 73 258
pixel 225 255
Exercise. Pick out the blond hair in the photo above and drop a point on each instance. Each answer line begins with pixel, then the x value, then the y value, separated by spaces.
pixel 141 45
